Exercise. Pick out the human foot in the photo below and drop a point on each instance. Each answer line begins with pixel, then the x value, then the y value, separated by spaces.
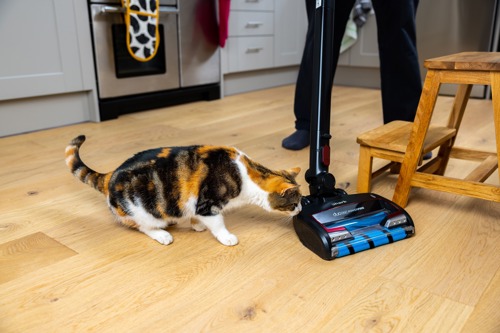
pixel 297 140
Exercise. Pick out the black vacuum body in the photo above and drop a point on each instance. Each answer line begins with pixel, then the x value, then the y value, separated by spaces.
pixel 333 223
pixel 338 226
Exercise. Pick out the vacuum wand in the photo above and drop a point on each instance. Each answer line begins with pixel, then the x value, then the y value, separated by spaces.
pixel 321 182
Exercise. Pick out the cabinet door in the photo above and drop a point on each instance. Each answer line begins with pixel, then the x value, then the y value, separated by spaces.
pixel 290 27
pixel 364 53
pixel 40 53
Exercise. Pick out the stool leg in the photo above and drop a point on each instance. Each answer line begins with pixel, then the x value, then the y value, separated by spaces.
pixel 364 169
pixel 419 130
pixel 495 86
pixel 456 116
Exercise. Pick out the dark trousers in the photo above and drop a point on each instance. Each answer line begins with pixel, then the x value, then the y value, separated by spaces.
pixel 401 83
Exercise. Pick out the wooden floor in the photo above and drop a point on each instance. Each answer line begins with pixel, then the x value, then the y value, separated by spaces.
pixel 66 266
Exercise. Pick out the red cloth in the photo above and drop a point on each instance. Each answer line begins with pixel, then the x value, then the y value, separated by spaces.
pixel 224 6
pixel 206 16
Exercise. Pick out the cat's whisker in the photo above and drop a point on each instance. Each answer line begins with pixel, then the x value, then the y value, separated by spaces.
pixel 284 219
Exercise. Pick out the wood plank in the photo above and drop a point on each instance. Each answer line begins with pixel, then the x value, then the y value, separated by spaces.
pixel 468 230
pixel 383 306
pixel 470 154
pixel 465 77
pixel 458 186
pixel 395 136
pixel 484 318
pixel 364 169
pixel 28 254
pixel 484 170
pixel 495 92
pixel 425 110
pixel 477 61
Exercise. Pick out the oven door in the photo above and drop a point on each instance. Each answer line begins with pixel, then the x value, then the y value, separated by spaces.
pixel 118 74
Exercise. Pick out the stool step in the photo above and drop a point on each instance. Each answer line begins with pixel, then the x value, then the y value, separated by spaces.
pixel 389 142
pixel 395 136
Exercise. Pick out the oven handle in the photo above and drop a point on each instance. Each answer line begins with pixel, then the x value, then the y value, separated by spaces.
pixel 121 10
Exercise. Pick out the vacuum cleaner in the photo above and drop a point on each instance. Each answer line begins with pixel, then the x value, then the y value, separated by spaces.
pixel 332 223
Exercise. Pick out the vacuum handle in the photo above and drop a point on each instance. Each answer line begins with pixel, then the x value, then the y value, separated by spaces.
pixel 320 181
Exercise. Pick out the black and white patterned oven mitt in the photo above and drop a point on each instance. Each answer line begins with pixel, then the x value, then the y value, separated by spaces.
pixel 141 19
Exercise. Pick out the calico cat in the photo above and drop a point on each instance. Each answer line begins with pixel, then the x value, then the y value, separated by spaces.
pixel 158 187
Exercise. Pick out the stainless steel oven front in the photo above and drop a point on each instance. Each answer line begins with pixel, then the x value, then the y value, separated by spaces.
pixel 118 74
pixel 186 67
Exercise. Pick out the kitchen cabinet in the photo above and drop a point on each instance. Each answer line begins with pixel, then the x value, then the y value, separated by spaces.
pixel 260 55
pixel 265 44
pixel 46 72
pixel 359 65
pixel 251 40
pixel 290 32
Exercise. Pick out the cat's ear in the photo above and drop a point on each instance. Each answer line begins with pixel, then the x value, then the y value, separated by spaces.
pixel 287 188
pixel 294 171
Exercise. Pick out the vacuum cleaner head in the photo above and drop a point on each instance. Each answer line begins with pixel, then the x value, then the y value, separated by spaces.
pixel 334 227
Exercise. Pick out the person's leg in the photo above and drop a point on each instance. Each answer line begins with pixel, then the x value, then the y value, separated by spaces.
pixel 303 91
pixel 303 86
pixel 401 83
pixel 300 138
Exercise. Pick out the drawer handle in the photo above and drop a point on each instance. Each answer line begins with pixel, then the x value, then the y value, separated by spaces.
pixel 254 24
pixel 254 49
pixel 252 1
pixel 121 10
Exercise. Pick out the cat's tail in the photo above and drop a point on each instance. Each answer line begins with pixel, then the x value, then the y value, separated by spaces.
pixel 81 171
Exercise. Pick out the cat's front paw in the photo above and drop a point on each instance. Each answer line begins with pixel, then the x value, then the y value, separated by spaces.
pixel 161 236
pixel 227 239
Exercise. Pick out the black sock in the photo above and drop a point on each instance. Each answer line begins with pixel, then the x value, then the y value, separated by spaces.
pixel 297 140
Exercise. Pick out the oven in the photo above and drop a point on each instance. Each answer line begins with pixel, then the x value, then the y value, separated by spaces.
pixel 185 68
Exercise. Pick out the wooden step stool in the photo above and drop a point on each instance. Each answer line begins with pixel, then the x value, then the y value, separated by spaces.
pixel 389 142
pixel 465 69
